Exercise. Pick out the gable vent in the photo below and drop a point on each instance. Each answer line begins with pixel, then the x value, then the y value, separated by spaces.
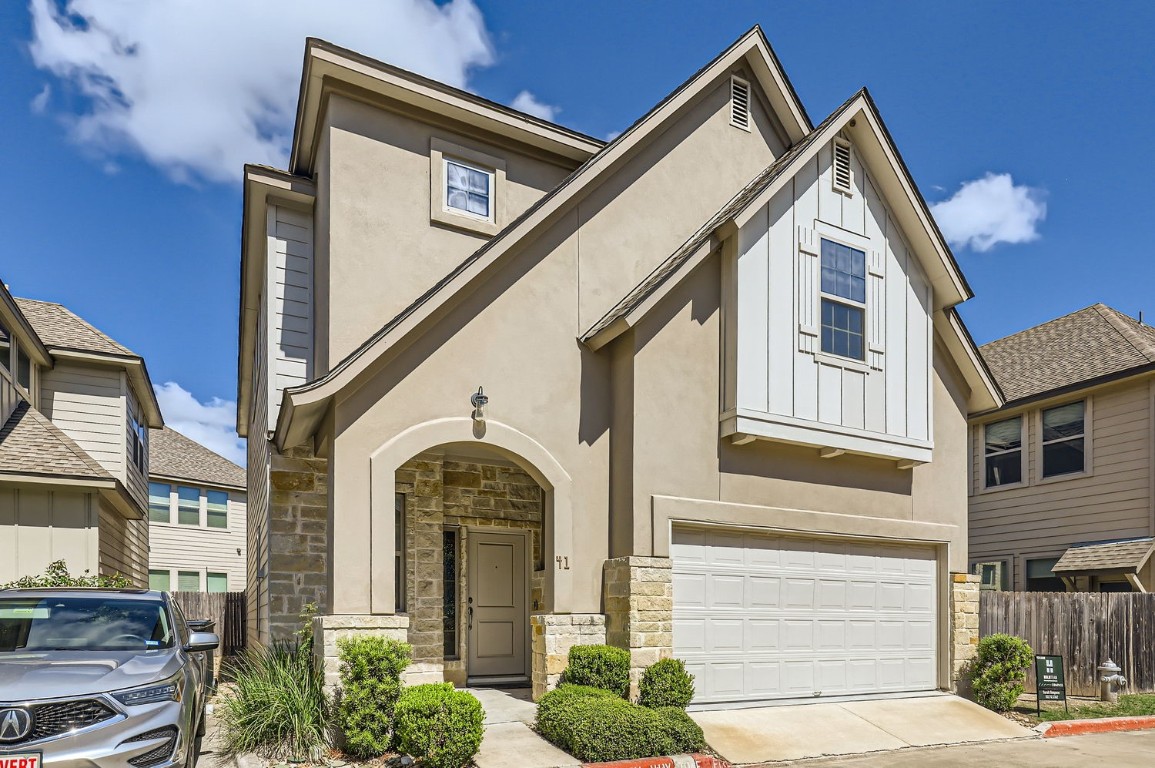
pixel 739 103
pixel 843 180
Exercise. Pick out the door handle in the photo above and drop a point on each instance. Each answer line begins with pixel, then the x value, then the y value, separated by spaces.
pixel 470 614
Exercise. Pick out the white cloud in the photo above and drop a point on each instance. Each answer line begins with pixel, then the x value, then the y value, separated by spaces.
pixel 200 88
pixel 991 210
pixel 528 103
pixel 212 424
pixel 39 102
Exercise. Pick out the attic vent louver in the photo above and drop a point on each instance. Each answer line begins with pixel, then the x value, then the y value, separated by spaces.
pixel 843 180
pixel 739 103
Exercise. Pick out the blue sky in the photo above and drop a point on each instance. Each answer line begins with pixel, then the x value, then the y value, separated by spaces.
pixel 123 199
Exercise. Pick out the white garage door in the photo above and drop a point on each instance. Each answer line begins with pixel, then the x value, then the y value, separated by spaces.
pixel 760 617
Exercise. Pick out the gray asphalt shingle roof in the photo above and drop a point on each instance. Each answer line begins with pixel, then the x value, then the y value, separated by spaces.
pixel 1113 555
pixel 1091 343
pixel 57 326
pixel 171 454
pixel 30 444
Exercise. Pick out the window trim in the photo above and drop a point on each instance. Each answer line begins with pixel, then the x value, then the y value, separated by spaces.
pixel 487 172
pixel 1024 451
pixel 205 493
pixel 831 357
pixel 200 507
pixel 441 151
pixel 151 483
pixel 1088 458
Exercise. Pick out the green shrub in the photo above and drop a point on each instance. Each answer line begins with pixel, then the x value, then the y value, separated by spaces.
pixel 57 575
pixel 370 673
pixel 439 725
pixel 276 707
pixel 594 725
pixel 599 666
pixel 666 683
pixel 999 671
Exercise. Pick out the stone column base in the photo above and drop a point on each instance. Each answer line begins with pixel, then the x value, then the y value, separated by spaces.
pixel 639 594
pixel 327 630
pixel 964 618
pixel 553 636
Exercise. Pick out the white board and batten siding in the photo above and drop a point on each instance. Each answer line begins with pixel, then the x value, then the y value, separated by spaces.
pixel 89 404
pixel 781 385
pixel 290 307
pixel 760 617
pixel 39 526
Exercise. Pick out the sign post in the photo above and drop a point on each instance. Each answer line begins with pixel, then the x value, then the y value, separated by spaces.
pixel 1051 683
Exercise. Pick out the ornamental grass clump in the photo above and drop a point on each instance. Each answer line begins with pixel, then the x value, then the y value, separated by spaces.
pixel 999 671
pixel 370 674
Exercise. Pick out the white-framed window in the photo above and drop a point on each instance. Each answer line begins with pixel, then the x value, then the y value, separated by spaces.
pixel 159 579
pixel 1063 445
pixel 188 505
pixel 1003 452
pixel 216 582
pixel 217 509
pixel 159 503
pixel 843 300
pixel 188 581
pixel 468 189
pixel 137 440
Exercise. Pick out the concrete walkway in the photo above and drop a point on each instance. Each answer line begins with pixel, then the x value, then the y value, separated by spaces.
pixel 508 740
pixel 795 732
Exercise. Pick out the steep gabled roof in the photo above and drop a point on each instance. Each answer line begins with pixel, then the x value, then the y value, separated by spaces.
pixel 1085 346
pixel 173 456
pixel 59 327
pixel 30 444
pixel 752 48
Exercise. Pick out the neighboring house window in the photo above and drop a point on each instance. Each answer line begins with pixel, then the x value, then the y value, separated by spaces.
pixel 1063 436
pixel 5 348
pixel 188 510
pixel 23 369
pixel 137 442
pixel 159 503
pixel 188 581
pixel 218 509
pixel 1040 578
pixel 399 552
pixel 158 580
pixel 217 582
pixel 991 575
pixel 843 300
pixel 468 189
pixel 449 590
pixel 1003 451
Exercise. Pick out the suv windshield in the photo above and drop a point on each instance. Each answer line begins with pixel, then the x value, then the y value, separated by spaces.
pixel 88 623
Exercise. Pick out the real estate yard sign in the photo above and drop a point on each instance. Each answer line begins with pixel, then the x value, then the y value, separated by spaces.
pixel 1051 684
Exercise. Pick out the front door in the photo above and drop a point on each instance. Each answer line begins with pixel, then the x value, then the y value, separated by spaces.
pixel 496 602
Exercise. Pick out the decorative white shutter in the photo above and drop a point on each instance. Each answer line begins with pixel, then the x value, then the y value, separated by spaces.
pixel 807 283
pixel 876 308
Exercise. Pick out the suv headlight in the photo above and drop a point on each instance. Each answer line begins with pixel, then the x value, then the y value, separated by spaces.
pixel 165 690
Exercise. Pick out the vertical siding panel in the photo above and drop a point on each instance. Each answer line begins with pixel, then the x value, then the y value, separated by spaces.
pixel 854 206
pixel 805 369
pixel 918 355
pixel 875 228
pixel 853 398
pixel 830 394
pixel 782 328
pixel 896 332
pixel 753 312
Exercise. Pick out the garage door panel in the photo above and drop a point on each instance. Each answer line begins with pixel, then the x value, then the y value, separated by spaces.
pixel 768 617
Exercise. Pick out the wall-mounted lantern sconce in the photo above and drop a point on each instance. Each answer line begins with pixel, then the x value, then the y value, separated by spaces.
pixel 479 400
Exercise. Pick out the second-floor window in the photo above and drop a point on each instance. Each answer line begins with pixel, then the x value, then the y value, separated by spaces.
pixel 217 509
pixel 1003 452
pixel 137 442
pixel 1063 439
pixel 188 505
pixel 159 503
pixel 843 300
pixel 188 502
pixel 468 189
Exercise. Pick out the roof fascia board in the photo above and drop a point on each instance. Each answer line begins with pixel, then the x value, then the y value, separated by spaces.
pixel 181 479
pixel 984 391
pixel 137 374
pixel 783 99
pixel 260 185
pixel 325 61
pixel 72 481
pixel 14 318
pixel 1087 387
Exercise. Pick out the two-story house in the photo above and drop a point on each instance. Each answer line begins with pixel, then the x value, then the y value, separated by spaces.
pixel 1061 484
pixel 699 391
pixel 196 517
pixel 76 408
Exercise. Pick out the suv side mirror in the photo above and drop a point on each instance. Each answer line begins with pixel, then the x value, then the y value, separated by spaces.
pixel 202 641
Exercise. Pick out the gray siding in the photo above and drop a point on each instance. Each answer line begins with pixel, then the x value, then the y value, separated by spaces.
pixel 290 338
pixel 88 404
pixel 257 469
pixel 123 546
pixel 1041 519
pixel 176 547
pixel 38 527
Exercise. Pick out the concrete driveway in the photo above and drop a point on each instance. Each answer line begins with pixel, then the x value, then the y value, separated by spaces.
pixel 795 732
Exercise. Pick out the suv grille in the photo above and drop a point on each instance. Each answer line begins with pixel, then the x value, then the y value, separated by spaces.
pixel 58 718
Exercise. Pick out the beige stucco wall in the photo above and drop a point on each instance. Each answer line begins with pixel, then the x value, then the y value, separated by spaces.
pixel 39 526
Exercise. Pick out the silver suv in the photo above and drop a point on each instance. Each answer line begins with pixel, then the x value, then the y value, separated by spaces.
pixel 99 678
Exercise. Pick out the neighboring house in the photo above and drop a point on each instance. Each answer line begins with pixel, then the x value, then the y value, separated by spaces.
pixel 196 517
pixel 700 391
pixel 76 409
pixel 1062 493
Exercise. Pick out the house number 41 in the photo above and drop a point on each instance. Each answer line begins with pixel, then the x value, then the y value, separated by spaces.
pixel 562 563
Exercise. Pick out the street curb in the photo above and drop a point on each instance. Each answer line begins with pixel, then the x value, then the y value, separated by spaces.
pixel 1100 725
pixel 673 761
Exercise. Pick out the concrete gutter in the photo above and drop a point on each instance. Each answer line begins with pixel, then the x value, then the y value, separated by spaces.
pixel 1095 725
pixel 673 761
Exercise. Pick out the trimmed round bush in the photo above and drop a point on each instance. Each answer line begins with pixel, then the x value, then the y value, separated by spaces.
pixel 595 725
pixel 599 666
pixel 999 671
pixel 370 673
pixel 439 725
pixel 666 683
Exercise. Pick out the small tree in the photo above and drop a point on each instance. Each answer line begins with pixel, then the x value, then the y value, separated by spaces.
pixel 57 575
pixel 999 671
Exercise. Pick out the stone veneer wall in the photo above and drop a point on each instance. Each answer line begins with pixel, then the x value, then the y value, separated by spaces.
pixel 298 538
pixel 553 636
pixel 639 604
pixel 442 492
pixel 964 613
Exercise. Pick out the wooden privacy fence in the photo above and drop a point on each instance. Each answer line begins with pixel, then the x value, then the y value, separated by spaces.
pixel 225 609
pixel 1085 628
